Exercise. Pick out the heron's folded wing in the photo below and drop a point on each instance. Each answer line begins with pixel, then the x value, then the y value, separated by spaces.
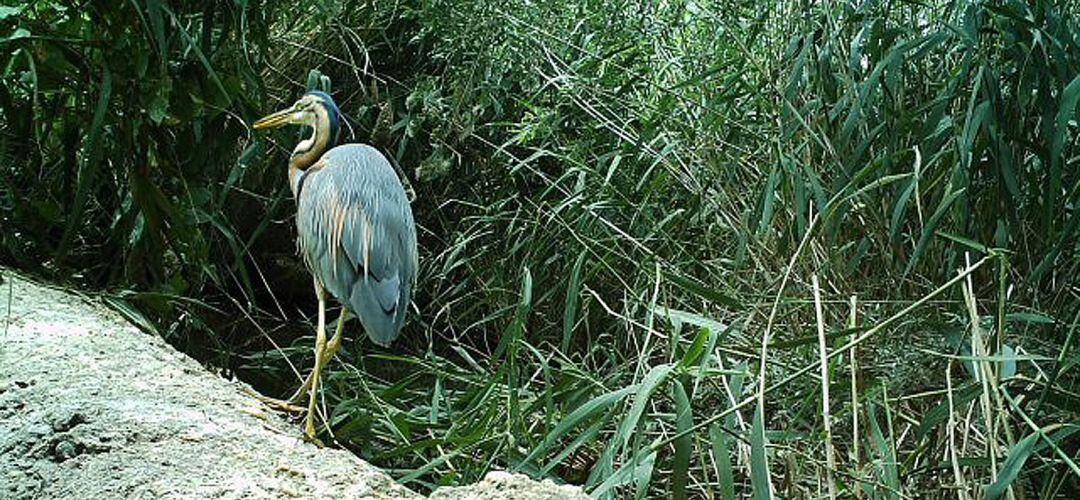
pixel 357 234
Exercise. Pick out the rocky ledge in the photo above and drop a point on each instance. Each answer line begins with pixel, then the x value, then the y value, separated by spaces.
pixel 91 407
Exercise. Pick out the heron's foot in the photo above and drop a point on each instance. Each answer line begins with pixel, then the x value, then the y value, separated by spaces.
pixel 309 431
pixel 313 440
pixel 277 404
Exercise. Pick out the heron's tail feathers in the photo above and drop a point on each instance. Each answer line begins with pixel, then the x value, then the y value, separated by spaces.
pixel 380 305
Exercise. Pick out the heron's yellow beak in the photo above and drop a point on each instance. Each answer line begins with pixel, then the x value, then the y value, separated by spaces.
pixel 283 117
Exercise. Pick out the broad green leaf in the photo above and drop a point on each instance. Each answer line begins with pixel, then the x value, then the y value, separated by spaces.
pixel 576 417
pixel 1012 465
pixel 675 315
pixel 930 229
pixel 637 470
pixel 587 436
pixel 768 199
pixel 436 401
pixel 657 375
pixel 643 474
pixel 131 313
pixel 684 420
pixel 972 244
pixel 697 348
pixel 159 107
pixel 971 130
pixel 940 413
pixel 19 34
pixel 516 328
pixel 707 293
pixel 6 12
pixel 88 167
pixel 722 456
pixel 1051 257
pixel 1066 111
pixel 573 297
pixel 157 25
pixel 886 456
pixel 900 210
pixel 1029 317
pixel 1008 366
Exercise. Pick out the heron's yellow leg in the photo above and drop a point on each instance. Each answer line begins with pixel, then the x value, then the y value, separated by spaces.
pixel 335 342
pixel 320 348
pixel 331 350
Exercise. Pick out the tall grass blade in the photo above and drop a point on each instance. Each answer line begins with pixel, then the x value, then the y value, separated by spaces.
pixel 684 420
pixel 1067 110
pixel 637 470
pixel 578 416
pixel 88 167
pixel 707 293
pixel 722 455
pixel 1013 464
pixel 760 477
pixel 930 228
pixel 649 384
pixel 573 297
pixel 886 456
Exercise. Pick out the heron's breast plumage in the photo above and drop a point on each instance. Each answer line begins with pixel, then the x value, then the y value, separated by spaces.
pixel 356 233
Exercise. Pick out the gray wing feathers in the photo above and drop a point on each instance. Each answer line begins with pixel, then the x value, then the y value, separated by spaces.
pixel 357 235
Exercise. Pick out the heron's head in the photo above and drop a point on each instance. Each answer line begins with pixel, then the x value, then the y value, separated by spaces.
pixel 315 109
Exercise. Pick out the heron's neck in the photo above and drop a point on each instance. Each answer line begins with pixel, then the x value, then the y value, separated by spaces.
pixel 309 150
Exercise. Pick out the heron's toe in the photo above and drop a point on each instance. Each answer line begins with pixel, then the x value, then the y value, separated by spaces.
pixel 314 440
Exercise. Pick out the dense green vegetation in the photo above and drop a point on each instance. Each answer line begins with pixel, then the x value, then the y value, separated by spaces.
pixel 643 227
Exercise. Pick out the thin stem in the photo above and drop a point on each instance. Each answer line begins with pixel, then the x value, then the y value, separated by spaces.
pixel 830 459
